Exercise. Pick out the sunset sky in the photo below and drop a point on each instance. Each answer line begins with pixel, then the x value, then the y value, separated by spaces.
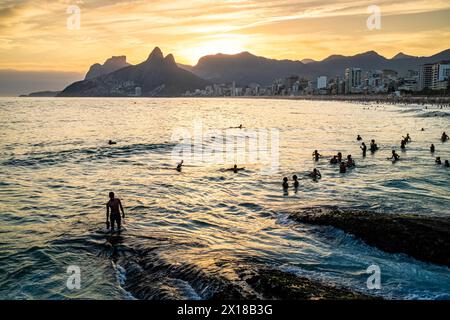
pixel 34 34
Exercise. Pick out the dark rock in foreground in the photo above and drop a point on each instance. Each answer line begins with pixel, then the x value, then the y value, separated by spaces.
pixel 150 278
pixel 424 238
pixel 279 285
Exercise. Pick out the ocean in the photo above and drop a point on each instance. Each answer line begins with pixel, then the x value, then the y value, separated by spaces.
pixel 197 229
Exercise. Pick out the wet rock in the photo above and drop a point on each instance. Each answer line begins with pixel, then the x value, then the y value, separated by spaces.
pixel 148 277
pixel 424 238
pixel 275 284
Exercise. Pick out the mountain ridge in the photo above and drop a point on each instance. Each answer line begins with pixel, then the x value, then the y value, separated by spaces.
pixel 156 76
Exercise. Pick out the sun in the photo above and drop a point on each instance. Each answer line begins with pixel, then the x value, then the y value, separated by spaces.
pixel 223 45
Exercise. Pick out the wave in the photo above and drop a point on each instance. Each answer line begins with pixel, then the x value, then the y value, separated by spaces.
pixel 84 154
pixel 431 114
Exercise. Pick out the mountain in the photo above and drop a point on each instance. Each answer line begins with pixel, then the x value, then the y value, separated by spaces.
pixel 157 76
pixel 245 68
pixel 401 55
pixel 112 64
pixel 306 61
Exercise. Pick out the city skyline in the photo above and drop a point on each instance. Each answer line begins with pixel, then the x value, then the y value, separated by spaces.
pixel 35 35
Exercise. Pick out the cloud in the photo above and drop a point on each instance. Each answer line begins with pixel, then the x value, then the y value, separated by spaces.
pixel 33 34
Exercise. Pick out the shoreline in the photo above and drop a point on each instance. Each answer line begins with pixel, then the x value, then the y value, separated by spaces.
pixel 406 100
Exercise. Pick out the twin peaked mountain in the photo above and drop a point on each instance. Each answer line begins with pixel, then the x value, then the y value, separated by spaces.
pixel 157 76
pixel 161 76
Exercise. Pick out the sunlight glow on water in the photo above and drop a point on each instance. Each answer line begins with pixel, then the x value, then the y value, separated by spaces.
pixel 56 170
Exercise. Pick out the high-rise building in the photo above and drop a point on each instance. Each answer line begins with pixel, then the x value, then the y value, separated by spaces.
pixel 321 82
pixel 440 75
pixel 425 76
pixel 353 80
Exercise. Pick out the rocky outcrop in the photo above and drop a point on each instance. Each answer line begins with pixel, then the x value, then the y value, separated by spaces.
pixel 112 64
pixel 422 237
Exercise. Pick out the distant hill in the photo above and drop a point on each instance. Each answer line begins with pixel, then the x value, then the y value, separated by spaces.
pixel 306 61
pixel 246 68
pixel 157 76
pixel 112 64
pixel 401 55
pixel 41 94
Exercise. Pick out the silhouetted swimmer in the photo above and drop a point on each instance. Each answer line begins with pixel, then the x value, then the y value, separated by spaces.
pixel 342 167
pixel 358 138
pixel 334 160
pixel 423 129
pixel 285 183
pixel 438 160
pixel 339 156
pixel 240 126
pixel 407 139
pixel 316 155
pixel 373 146
pixel 403 144
pixel 444 137
pixel 180 166
pixel 432 148
pixel 235 169
pixel 110 142
pixel 296 183
pixel 395 157
pixel 363 148
pixel 315 174
pixel 116 206
pixel 446 164
pixel 350 161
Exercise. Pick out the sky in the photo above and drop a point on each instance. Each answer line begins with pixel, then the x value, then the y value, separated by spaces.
pixel 45 35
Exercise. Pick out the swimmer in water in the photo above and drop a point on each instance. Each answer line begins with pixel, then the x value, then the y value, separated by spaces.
pixel 180 166
pixel 446 164
pixel 110 142
pixel 444 136
pixel 316 155
pixel 334 160
pixel 350 161
pixel 116 206
pixel 285 183
pixel 373 146
pixel 438 160
pixel 363 148
pixel 432 148
pixel 407 139
pixel 358 138
pixel 403 145
pixel 315 174
pixel 235 169
pixel 339 156
pixel 296 183
pixel 395 157
pixel 342 167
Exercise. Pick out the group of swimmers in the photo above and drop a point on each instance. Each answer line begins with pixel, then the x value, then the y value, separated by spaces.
pixel 350 163
pixel 438 160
